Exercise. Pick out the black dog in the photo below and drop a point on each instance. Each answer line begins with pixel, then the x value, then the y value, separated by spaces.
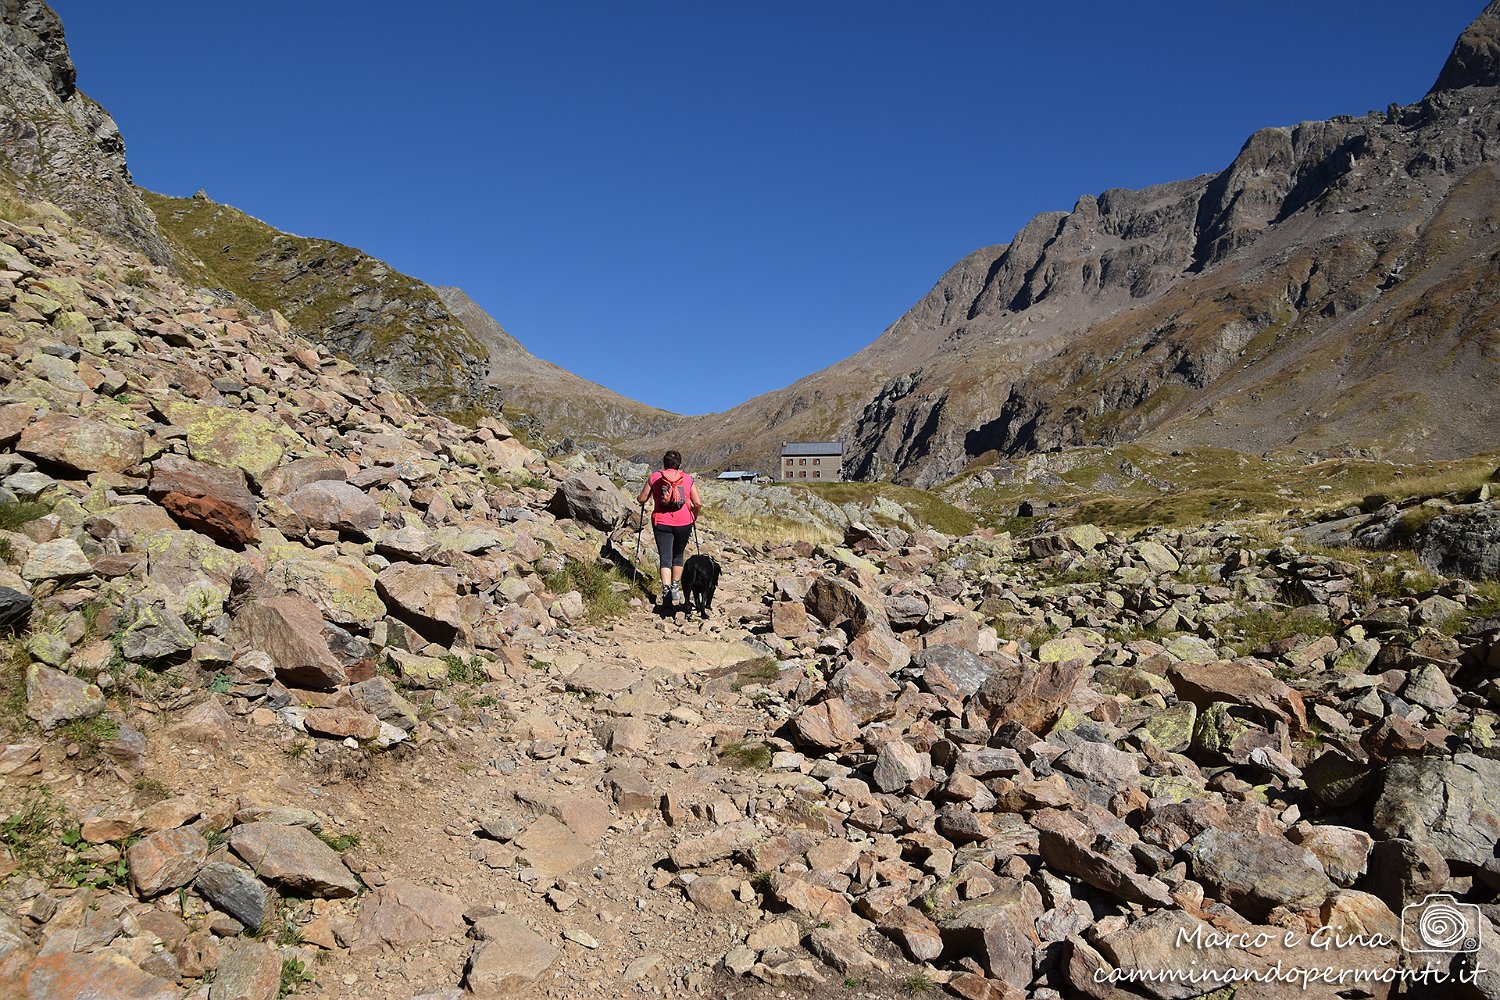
pixel 700 578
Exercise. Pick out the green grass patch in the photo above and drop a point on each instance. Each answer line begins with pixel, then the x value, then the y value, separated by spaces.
pixel 16 514
pixel 746 755
pixel 1252 630
pixel 926 508
pixel 90 734
pixel 13 664
pixel 32 833
pixel 761 670
pixel 465 669
pixel 340 842
pixel 604 589
pixel 1132 486
pixel 294 976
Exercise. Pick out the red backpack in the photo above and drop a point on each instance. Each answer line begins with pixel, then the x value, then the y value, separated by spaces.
pixel 670 496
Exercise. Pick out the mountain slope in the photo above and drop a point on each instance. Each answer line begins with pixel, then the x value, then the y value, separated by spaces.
pixel 360 307
pixel 1333 288
pixel 566 404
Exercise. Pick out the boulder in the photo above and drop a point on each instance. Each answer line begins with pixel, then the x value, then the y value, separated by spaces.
pixel 234 891
pixel 342 723
pixel 509 957
pixel 1463 541
pixel 15 609
pixel 1238 683
pixel 291 630
pixel 998 931
pixel 1255 873
pixel 165 860
pixel 1168 941
pixel 551 848
pixel 1070 845
pixel 910 928
pixel 81 445
pixel 1449 804
pixel 590 497
pixel 59 559
pixel 343 588
pixel 328 505
pixel 252 971
pixel 827 725
pixel 833 601
pixel 1343 851
pixel 221 435
pixel 53 697
pixel 965 671
pixel 293 858
pixel 402 912
pixel 210 499
pixel 424 597
pixel 68 975
pixel 1030 695
pixel 897 765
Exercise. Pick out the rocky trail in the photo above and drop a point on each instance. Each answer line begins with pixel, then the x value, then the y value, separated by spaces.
pixel 307 691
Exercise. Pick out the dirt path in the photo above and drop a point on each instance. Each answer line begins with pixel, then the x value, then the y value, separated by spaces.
pixel 633 697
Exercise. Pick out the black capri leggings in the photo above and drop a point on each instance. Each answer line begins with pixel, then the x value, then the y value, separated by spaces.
pixel 671 542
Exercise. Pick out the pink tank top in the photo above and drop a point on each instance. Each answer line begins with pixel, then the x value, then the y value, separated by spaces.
pixel 674 518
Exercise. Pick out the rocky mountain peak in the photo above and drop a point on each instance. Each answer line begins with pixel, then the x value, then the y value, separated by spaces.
pixel 1475 61
pixel 31 31
pixel 56 144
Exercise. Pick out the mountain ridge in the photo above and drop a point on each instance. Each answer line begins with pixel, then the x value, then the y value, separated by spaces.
pixel 1116 321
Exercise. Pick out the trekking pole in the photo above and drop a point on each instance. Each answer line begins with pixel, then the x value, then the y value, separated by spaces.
pixel 640 526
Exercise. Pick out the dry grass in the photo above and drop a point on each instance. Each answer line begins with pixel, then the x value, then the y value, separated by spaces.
pixel 1131 486
pixel 753 530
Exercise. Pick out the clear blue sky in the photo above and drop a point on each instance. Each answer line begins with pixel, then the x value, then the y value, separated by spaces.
pixel 739 194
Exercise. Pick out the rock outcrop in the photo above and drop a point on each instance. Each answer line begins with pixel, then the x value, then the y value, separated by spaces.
pixel 56 144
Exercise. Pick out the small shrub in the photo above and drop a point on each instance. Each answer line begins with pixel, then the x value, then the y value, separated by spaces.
pixel 919 984
pixel 746 755
pixel 294 976
pixel 761 670
pixel 137 277
pixel 340 842
pixel 463 670
pixel 297 750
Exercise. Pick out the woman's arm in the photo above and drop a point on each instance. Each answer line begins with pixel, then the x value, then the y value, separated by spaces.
pixel 645 494
pixel 693 499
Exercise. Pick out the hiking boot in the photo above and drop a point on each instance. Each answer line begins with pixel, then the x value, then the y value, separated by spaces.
pixel 676 593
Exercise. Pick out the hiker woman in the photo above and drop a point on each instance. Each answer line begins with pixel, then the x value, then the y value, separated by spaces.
pixel 675 501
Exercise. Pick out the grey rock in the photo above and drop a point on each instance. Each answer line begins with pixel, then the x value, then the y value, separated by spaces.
pixel 1448 804
pixel 1255 873
pixel 235 891
pixel 15 609
pixel 590 497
